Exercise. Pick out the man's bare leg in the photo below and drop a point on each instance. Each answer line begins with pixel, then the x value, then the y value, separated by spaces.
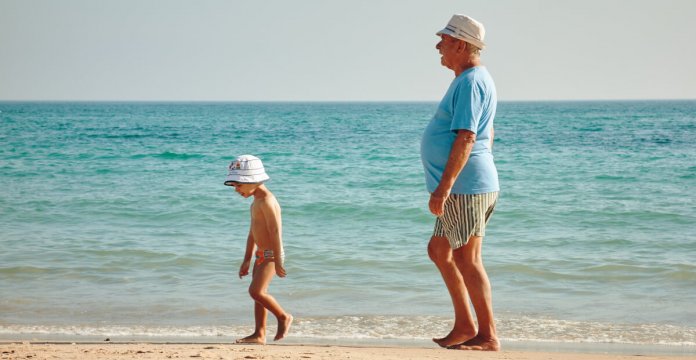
pixel 470 263
pixel 464 328
pixel 258 291
pixel 259 335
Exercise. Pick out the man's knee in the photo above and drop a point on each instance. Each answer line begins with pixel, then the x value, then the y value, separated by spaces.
pixel 467 256
pixel 439 250
pixel 461 257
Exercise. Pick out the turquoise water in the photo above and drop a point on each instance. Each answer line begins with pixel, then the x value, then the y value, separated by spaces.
pixel 114 221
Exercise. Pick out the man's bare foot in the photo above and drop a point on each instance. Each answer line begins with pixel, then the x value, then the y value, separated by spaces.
pixel 479 344
pixel 252 339
pixel 455 337
pixel 283 327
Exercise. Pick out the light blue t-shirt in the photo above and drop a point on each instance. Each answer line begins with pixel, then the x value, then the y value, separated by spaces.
pixel 469 104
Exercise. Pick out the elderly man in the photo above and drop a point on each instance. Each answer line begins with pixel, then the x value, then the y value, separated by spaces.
pixel 463 183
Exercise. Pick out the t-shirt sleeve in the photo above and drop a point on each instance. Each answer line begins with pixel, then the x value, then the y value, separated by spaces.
pixel 467 108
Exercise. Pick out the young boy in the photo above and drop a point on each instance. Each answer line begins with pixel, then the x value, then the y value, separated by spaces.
pixel 247 176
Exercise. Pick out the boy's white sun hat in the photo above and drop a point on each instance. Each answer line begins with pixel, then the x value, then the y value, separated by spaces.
pixel 465 28
pixel 246 169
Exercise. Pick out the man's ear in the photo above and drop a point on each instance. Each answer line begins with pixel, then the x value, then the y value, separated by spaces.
pixel 462 46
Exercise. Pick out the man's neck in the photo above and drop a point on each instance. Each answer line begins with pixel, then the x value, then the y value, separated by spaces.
pixel 472 62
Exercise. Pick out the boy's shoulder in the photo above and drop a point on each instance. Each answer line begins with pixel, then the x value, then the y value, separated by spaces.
pixel 268 200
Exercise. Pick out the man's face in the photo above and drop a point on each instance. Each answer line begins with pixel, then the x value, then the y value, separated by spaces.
pixel 245 190
pixel 448 47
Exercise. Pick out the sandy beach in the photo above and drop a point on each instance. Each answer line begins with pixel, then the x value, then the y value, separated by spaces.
pixel 157 351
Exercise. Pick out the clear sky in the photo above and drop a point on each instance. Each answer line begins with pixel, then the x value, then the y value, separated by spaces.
pixel 344 50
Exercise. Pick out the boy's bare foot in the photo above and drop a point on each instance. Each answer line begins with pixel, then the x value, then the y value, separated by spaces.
pixel 455 338
pixel 478 343
pixel 252 339
pixel 283 327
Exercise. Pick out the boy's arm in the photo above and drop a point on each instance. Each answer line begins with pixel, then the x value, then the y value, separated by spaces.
pixel 271 214
pixel 246 263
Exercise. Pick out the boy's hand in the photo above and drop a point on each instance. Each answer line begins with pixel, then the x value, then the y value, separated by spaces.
pixel 279 269
pixel 244 269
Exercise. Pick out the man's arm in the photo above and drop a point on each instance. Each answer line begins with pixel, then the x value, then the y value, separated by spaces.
pixel 271 214
pixel 459 155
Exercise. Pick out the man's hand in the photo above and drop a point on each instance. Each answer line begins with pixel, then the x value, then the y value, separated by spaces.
pixel 279 269
pixel 437 202
pixel 244 269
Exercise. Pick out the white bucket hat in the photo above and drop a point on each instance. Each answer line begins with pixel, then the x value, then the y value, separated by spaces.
pixel 246 169
pixel 465 28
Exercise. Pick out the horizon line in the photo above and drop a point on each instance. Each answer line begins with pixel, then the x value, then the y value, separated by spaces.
pixel 317 101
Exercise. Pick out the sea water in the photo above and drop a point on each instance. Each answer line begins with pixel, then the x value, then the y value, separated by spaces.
pixel 114 221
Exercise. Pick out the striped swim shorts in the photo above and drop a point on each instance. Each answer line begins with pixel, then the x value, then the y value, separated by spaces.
pixel 466 215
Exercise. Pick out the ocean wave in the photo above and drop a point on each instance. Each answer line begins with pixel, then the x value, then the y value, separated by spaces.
pixel 168 155
pixel 413 328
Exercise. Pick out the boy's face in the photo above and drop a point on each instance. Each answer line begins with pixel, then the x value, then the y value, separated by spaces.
pixel 245 190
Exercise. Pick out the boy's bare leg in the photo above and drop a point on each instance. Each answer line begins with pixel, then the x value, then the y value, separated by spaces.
pixel 259 335
pixel 470 263
pixel 259 292
pixel 464 328
pixel 283 327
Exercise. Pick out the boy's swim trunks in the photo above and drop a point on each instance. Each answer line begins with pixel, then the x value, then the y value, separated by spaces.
pixel 263 255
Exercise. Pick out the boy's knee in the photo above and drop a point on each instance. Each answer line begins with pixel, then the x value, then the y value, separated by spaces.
pixel 256 294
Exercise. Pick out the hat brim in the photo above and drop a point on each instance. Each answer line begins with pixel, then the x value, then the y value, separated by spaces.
pixel 249 179
pixel 445 32
pixel 470 40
